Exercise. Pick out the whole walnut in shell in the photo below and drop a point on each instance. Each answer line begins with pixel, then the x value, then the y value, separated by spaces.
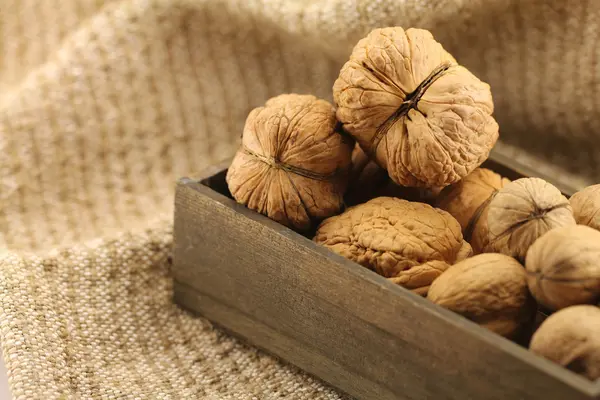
pixel 586 206
pixel 366 178
pixel 521 212
pixel 563 267
pixel 468 201
pixel 368 181
pixel 489 289
pixel 415 111
pixel 570 338
pixel 293 164
pixel 409 243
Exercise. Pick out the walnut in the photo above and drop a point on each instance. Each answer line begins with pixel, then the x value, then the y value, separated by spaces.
pixel 366 178
pixel 586 206
pixel 418 194
pixel 570 338
pixel 521 212
pixel 468 201
pixel 409 243
pixel 415 111
pixel 489 289
pixel 368 181
pixel 563 267
pixel 293 164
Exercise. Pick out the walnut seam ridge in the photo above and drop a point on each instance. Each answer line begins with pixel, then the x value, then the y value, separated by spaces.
pixel 408 104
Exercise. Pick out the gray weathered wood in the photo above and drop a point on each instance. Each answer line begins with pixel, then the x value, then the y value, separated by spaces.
pixel 512 169
pixel 337 320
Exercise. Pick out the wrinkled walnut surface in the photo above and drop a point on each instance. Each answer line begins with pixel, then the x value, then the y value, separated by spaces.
pixel 563 267
pixel 489 289
pixel 522 211
pixel 293 164
pixel 586 206
pixel 571 338
pixel 468 201
pixel 368 181
pixel 366 178
pixel 410 243
pixel 421 116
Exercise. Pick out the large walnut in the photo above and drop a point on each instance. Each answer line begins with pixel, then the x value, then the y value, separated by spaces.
pixel 586 206
pixel 563 267
pixel 415 111
pixel 489 289
pixel 293 164
pixel 468 201
pixel 523 211
pixel 570 338
pixel 410 243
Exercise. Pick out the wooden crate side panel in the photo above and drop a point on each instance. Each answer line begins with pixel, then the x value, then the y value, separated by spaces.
pixel 253 276
pixel 271 340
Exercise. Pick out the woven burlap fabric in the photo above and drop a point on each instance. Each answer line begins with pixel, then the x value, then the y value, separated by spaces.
pixel 104 104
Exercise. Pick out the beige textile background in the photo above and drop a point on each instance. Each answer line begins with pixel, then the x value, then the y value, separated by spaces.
pixel 103 104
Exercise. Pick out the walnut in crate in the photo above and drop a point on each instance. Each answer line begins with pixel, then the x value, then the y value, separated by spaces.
pixel 586 206
pixel 368 181
pixel 293 164
pixel 570 338
pixel 409 243
pixel 563 267
pixel 424 118
pixel 521 212
pixel 468 201
pixel 366 178
pixel 489 289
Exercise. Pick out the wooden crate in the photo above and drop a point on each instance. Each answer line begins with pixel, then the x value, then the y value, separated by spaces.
pixel 340 322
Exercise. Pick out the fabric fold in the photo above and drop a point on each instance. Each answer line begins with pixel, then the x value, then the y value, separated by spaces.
pixel 98 321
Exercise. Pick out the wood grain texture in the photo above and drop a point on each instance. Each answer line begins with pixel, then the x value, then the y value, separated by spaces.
pixel 337 320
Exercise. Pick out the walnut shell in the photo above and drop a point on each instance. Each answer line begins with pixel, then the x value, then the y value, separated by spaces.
pixel 523 211
pixel 563 267
pixel 415 111
pixel 366 178
pixel 292 165
pixel 410 243
pixel 570 338
pixel 368 181
pixel 586 206
pixel 468 201
pixel 489 289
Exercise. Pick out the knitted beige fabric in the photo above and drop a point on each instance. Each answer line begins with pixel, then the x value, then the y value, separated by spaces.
pixel 103 104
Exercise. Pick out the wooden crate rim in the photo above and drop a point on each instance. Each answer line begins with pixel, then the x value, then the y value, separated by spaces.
pixel 570 378
pixel 506 160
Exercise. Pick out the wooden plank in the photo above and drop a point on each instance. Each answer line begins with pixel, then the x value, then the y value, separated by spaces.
pixel 339 321
pixel 512 169
pixel 239 322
